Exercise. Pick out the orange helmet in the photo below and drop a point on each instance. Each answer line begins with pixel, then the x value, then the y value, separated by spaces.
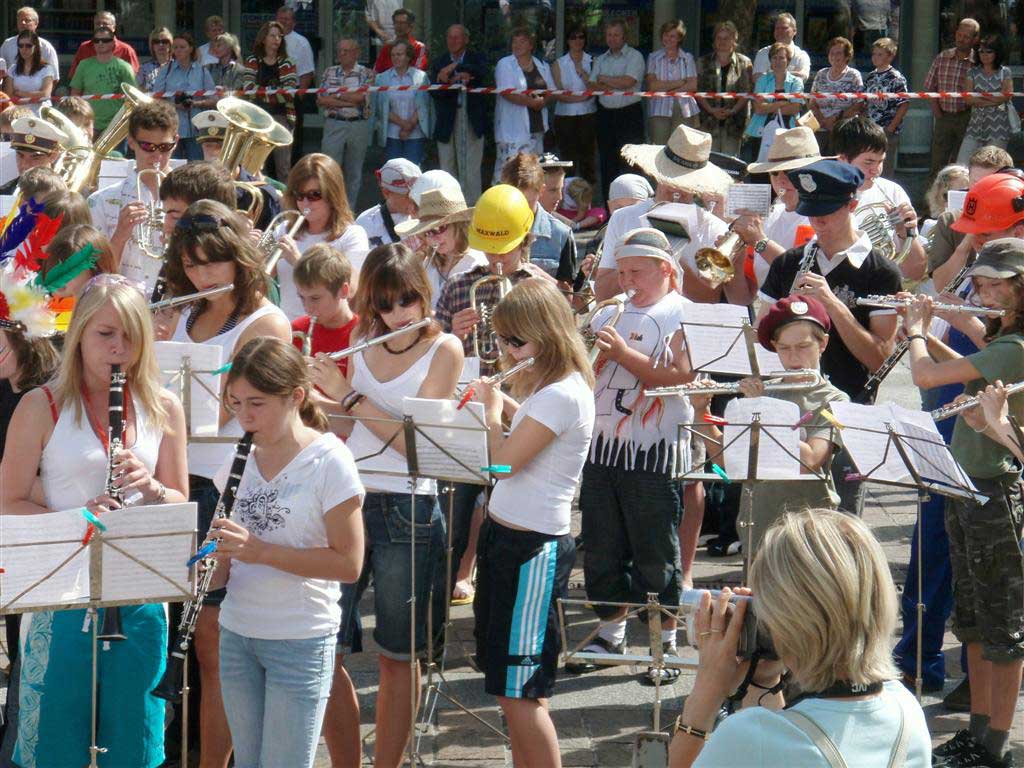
pixel 993 204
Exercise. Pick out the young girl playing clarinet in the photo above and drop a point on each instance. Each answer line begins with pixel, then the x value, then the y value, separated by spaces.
pixel 394 292
pixel 526 551
pixel 984 539
pixel 62 434
pixel 296 532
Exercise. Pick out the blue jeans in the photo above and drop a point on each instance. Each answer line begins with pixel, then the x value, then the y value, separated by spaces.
pixel 275 696
pixel 413 150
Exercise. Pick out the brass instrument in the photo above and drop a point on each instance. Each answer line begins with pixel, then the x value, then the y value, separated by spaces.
pixel 245 120
pixel 306 338
pixel 485 340
pixel 268 242
pixel 773 382
pixel 586 295
pixel 953 409
pixel 149 233
pixel 349 351
pixel 880 226
pixel 72 163
pixel 253 209
pixel 590 335
pixel 716 265
pixel 260 145
pixel 895 302
pixel 180 301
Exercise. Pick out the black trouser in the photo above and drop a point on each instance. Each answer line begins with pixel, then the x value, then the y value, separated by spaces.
pixel 616 127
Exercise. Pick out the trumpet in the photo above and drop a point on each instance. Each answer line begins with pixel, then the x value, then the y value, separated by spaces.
pixel 180 301
pixel 589 335
pixel 485 340
pixel 149 233
pixel 306 338
pixel 895 302
pixel 716 265
pixel 948 411
pixel 270 245
pixel 806 378
pixel 349 351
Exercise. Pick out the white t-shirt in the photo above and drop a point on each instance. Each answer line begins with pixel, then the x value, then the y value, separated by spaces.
pixel 205 57
pixel 301 52
pixel 882 191
pixel 265 602
pixel 801 62
pixel 352 243
pixel 539 496
pixel 372 223
pixel 470 260
pixel 864 731
pixel 34 82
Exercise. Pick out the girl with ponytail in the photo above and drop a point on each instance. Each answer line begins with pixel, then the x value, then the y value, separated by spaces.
pixel 296 534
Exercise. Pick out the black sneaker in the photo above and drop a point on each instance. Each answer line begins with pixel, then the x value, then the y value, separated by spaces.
pixel 959 699
pixel 597 645
pixel 668 675
pixel 976 756
pixel 961 742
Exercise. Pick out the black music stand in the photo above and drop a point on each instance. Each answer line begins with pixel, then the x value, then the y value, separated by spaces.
pixel 41 549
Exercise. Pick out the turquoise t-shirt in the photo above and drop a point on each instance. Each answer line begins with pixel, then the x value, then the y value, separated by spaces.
pixel 93 76
pixel 864 731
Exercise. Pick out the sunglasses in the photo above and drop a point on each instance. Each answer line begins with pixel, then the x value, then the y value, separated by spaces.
pixel 406 300
pixel 313 196
pixel 201 222
pixel 150 146
pixel 26 45
pixel 436 231
pixel 102 40
pixel 980 50
pixel 512 341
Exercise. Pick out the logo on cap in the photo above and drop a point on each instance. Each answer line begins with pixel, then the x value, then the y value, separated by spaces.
pixel 971 206
pixel 807 182
pixel 799 308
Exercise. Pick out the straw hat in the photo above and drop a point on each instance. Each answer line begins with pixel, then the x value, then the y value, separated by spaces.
pixel 790 150
pixel 682 163
pixel 438 207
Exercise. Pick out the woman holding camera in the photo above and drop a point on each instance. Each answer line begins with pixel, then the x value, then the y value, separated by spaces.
pixel 822 591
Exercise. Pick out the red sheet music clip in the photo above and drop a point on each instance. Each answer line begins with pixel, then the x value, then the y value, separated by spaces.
pixel 466 397
pixel 712 419
pixel 803 420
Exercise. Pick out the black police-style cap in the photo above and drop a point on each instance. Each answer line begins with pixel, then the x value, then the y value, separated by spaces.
pixel 825 186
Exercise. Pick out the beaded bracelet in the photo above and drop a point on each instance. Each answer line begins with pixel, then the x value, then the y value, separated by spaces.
pixel 690 730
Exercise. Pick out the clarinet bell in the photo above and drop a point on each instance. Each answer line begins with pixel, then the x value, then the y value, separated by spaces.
pixel 169 687
pixel 110 629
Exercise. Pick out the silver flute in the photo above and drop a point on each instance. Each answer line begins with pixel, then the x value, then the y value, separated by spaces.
pixel 896 302
pixel 773 382
pixel 349 351
pixel 180 301
pixel 948 411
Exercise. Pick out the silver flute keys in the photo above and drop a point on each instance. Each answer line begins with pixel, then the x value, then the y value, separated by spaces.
pixel 953 409
pixel 349 351
pixel 897 302
pixel 180 301
pixel 773 382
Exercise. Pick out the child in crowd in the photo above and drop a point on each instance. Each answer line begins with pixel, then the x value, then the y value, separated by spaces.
pixel 575 208
pixel 888 114
pixel 78 111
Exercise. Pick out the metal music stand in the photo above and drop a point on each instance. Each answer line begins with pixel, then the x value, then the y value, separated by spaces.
pixel 49 548
pixel 904 454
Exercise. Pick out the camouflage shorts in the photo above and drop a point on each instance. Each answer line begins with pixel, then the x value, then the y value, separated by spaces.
pixel 988 568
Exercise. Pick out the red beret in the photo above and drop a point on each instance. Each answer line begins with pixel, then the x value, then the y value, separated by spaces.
pixel 787 310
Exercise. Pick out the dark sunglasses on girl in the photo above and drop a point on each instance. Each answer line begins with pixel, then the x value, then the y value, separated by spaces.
pixel 313 196
pixel 150 146
pixel 406 300
pixel 201 222
pixel 437 231
pixel 513 341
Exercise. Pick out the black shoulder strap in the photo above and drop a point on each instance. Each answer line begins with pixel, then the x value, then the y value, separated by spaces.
pixel 389 223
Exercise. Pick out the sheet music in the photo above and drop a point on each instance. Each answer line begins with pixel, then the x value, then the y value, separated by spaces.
pixel 773 461
pixel 8 163
pixel 123 578
pixel 436 419
pixel 205 357
pixel 955 200
pixel 23 566
pixel 755 198
pixel 713 334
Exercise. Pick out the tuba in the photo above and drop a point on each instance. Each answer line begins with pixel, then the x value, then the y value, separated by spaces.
pixel 245 120
pixel 116 132
pixel 72 165
pixel 268 243
pixel 716 265
pixel 149 233
pixel 485 340
pixel 260 145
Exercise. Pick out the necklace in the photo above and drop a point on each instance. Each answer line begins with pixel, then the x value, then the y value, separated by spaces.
pixel 403 350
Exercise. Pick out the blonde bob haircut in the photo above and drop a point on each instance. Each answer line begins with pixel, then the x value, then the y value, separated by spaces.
pixel 327 173
pixel 534 310
pixel 823 590
pixel 143 376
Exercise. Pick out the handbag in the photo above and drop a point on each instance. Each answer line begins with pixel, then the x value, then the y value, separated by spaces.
pixel 1013 116
pixel 768 132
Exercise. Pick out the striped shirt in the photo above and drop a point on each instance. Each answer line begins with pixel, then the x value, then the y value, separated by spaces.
pixel 949 73
pixel 281 74
pixel 337 77
pixel 682 67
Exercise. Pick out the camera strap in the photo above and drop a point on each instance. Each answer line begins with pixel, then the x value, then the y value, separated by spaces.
pixel 840 689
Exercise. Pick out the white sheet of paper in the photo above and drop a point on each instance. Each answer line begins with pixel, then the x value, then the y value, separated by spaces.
pixel 955 200
pixel 438 419
pixel 714 340
pixel 756 198
pixel 778 446
pixel 8 162
pixel 6 203
pixel 205 357
pixel 26 557
pixel 168 541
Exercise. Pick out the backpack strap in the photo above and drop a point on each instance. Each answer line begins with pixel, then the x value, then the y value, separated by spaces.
pixel 53 403
pixel 898 756
pixel 814 732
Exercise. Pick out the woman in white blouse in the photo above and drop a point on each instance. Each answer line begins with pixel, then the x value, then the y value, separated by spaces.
pixel 576 116
pixel 30 77
pixel 520 120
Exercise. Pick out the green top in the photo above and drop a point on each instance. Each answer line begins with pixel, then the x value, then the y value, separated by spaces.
pixel 95 77
pixel 981 456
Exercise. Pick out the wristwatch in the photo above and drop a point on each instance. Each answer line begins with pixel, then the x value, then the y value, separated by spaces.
pixel 761 245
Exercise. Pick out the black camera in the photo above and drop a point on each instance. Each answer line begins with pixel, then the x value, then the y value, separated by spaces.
pixel 183 99
pixel 753 637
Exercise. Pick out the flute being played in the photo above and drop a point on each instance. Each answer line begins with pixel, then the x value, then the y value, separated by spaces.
pixel 953 409
pixel 180 301
pixel 773 382
pixel 349 351
pixel 896 302
pixel 498 378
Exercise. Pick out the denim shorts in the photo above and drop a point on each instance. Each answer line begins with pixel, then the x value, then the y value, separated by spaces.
pixel 391 536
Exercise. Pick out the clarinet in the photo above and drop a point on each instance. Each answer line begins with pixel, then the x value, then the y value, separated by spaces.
pixel 806 262
pixel 170 686
pixel 111 628
pixel 875 379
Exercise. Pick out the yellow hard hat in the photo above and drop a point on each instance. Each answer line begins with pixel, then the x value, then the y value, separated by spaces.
pixel 502 219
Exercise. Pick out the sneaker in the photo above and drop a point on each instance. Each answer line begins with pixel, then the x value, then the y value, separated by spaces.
pixel 961 742
pixel 959 699
pixel 597 645
pixel 668 675
pixel 976 756
pixel 722 547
